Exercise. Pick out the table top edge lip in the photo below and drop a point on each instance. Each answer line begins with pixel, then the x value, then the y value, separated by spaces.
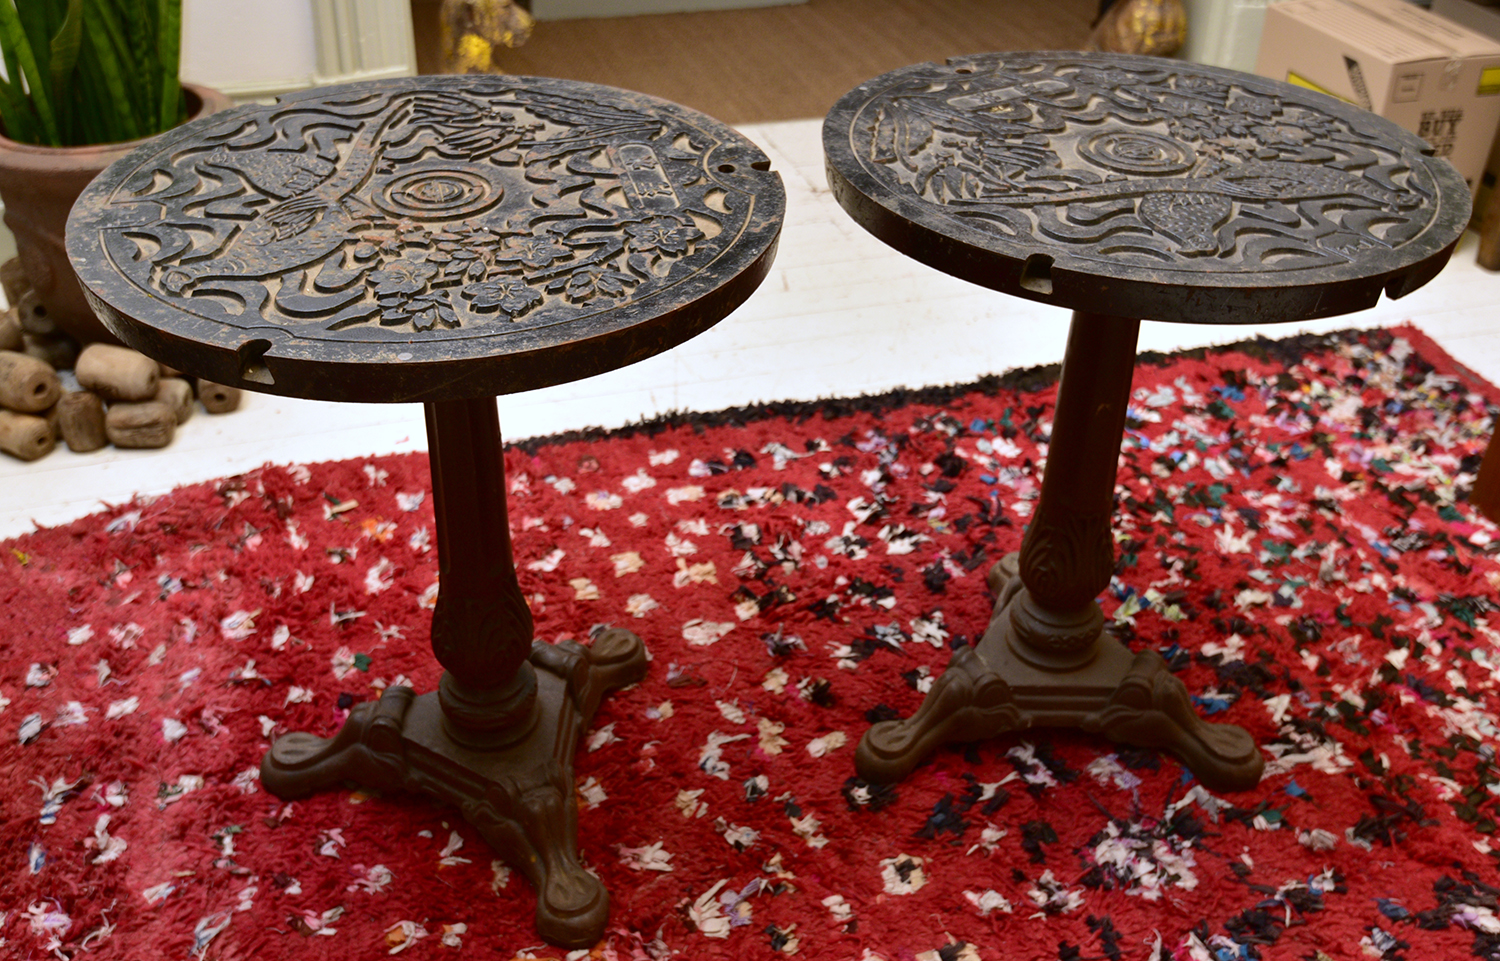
pixel 1230 297
pixel 382 384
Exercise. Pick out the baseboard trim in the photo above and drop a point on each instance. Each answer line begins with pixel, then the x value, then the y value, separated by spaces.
pixel 589 9
pixel 271 89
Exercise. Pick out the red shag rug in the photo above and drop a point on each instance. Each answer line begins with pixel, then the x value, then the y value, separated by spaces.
pixel 1294 536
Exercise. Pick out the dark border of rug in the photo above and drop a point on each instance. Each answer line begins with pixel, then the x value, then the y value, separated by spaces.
pixel 1283 350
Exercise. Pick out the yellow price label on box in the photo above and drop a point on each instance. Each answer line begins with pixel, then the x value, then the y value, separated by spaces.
pixel 1297 80
pixel 1489 81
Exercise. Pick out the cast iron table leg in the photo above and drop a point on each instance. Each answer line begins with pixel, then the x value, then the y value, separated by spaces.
pixel 1486 492
pixel 1045 659
pixel 497 737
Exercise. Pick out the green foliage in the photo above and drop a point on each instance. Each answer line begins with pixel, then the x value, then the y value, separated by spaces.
pixel 90 71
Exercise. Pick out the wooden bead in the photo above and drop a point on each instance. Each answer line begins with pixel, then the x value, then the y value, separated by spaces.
pixel 27 385
pixel 10 331
pixel 80 420
pixel 177 394
pixel 148 424
pixel 25 435
pixel 217 398
pixel 60 353
pixel 13 280
pixel 117 373
pixel 34 317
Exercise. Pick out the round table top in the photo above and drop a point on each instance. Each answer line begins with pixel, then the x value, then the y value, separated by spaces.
pixel 1142 187
pixel 427 238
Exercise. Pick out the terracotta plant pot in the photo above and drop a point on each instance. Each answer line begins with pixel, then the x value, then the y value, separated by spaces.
pixel 38 186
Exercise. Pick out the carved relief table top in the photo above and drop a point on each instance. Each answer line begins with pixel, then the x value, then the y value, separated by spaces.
pixel 427 239
pixel 1122 188
pixel 1142 187
pixel 443 240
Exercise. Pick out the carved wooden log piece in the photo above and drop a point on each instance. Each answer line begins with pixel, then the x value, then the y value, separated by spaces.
pixel 60 353
pixel 26 436
pixel 177 394
pixel 10 331
pixel 149 424
pixel 13 280
pixel 117 373
pixel 80 420
pixel 33 315
pixel 218 398
pixel 27 385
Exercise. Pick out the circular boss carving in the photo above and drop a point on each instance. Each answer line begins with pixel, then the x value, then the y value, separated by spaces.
pixel 1138 152
pixel 438 194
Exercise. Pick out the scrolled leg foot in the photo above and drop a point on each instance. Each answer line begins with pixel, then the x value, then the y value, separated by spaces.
pixel 967 702
pixel 616 659
pixel 535 831
pixel 1152 708
pixel 366 750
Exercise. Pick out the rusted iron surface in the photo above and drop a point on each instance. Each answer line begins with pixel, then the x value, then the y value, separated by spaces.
pixel 427 238
pixel 1143 187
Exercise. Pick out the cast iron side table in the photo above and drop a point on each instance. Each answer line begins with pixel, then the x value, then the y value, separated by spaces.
pixel 443 240
pixel 1123 188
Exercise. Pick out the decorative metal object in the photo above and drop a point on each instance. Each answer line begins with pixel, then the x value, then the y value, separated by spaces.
pixel 377 239
pixel 443 240
pixel 1123 188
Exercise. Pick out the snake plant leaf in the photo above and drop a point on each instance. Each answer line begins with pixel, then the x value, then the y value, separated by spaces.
pixel 36 20
pixel 94 114
pixel 171 110
pixel 13 37
pixel 139 19
pixel 15 107
pixel 90 71
pixel 66 44
pixel 106 38
pixel 17 114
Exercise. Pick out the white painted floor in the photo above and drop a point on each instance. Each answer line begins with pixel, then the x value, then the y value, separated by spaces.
pixel 840 314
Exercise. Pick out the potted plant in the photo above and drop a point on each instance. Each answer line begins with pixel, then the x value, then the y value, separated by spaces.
pixel 86 82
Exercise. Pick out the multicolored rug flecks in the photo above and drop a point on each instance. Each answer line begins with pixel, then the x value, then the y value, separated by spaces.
pixel 1293 535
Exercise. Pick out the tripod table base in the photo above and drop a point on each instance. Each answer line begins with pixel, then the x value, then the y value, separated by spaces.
pixel 521 798
pixel 989 689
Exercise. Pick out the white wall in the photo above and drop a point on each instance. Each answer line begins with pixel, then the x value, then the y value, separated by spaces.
pixel 249 49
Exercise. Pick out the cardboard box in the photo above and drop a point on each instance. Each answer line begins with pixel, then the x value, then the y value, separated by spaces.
pixel 1431 76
